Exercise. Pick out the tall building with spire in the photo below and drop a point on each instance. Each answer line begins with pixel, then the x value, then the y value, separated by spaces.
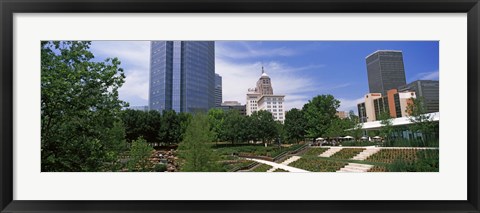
pixel 262 98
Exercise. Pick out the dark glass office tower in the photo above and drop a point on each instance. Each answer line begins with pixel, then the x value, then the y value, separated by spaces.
pixel 182 75
pixel 218 90
pixel 426 89
pixel 385 71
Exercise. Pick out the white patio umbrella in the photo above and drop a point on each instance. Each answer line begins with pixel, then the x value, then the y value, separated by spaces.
pixel 320 139
pixel 377 137
pixel 364 137
pixel 348 137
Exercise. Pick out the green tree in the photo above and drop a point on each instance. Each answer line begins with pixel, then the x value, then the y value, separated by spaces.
pixel 422 122
pixel 184 119
pixel 79 102
pixel 336 128
pixel 216 118
pixel 319 113
pixel 233 126
pixel 115 146
pixel 295 125
pixel 195 151
pixel 170 131
pixel 134 121
pixel 354 125
pixel 264 126
pixel 140 153
pixel 282 134
pixel 386 128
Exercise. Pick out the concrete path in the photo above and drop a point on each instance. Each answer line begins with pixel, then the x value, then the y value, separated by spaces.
pixel 277 165
pixel 356 167
pixel 331 151
pixel 290 160
pixel 366 153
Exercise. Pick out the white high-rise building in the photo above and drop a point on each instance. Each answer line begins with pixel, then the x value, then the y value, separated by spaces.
pixel 262 98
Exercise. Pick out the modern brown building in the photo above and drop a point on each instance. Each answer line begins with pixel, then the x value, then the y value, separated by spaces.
pixel 394 103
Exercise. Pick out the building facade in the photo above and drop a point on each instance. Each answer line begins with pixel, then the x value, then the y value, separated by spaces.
pixel 428 90
pixel 262 98
pixel 385 71
pixel 182 76
pixel 218 90
pixel 233 105
pixel 395 104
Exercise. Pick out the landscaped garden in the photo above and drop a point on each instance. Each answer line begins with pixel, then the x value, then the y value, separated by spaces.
pixel 280 170
pixel 261 168
pixel 317 164
pixel 347 153
pixel 314 151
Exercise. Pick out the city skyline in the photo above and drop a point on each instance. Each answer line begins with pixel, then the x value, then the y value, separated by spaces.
pixel 301 69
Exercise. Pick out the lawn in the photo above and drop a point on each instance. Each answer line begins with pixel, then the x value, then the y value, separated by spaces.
pixel 347 153
pixel 314 151
pixel 261 168
pixel 317 164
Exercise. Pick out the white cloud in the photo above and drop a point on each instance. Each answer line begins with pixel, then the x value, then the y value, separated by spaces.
pixel 135 86
pixel 135 58
pixel 248 51
pixel 427 76
pixel 350 104
pixel 238 77
pixel 133 53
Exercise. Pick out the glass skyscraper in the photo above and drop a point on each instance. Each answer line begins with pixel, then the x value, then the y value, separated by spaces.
pixel 182 76
pixel 385 71
pixel 218 90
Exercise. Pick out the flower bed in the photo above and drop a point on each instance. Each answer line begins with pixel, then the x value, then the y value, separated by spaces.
pixel 378 169
pixel 314 151
pixel 318 164
pixel 390 155
pixel 261 168
pixel 347 153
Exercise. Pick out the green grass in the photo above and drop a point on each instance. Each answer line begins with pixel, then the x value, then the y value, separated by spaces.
pixel 378 169
pixel 256 150
pixel 314 151
pixel 261 168
pixel 347 153
pixel 280 170
pixel 233 164
pixel 316 164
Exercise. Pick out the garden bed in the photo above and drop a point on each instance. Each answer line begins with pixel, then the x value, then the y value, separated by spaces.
pixel 347 153
pixel 318 164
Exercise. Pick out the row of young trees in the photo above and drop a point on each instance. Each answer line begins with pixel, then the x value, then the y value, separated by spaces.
pixel 166 128
pixel 318 118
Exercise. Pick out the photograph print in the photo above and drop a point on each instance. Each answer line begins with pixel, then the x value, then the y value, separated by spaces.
pixel 240 106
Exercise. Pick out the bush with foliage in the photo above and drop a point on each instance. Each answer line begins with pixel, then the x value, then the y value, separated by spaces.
pixel 140 153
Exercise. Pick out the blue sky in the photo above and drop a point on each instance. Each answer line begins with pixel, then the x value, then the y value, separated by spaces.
pixel 298 69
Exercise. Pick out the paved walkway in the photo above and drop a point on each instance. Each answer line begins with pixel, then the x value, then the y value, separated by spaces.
pixel 277 165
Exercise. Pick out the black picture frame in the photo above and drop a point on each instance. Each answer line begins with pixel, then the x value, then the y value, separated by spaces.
pixel 9 7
